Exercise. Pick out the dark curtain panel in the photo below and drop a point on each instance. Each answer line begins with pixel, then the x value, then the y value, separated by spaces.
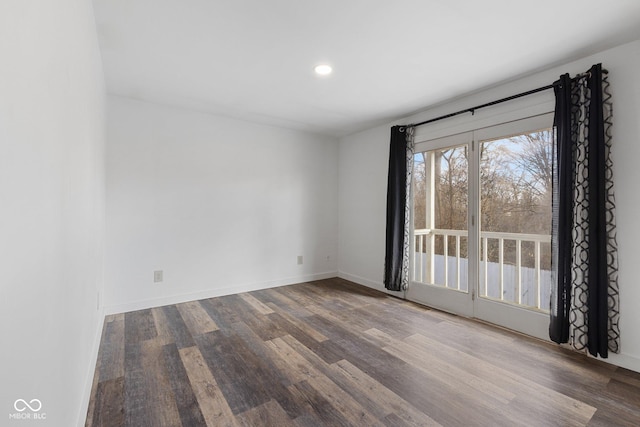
pixel 562 213
pixel 584 301
pixel 397 201
pixel 598 286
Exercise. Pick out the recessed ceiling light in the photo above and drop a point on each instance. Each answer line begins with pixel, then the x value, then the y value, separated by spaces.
pixel 323 69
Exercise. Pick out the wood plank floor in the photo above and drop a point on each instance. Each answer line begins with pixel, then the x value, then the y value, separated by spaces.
pixel 334 353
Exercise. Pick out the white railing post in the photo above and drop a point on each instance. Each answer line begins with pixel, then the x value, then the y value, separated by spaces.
pixel 519 271
pixel 445 252
pixel 458 262
pixel 432 249
pixel 537 274
pixel 485 254
pixel 421 243
pixel 501 265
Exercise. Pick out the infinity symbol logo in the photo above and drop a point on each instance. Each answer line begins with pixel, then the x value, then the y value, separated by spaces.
pixel 21 405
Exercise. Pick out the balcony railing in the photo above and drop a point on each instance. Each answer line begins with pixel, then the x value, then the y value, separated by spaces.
pixel 498 279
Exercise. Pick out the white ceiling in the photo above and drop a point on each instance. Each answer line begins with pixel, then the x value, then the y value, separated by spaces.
pixel 254 59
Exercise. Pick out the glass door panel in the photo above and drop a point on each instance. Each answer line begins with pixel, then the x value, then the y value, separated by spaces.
pixel 515 218
pixel 441 187
pixel 440 263
pixel 514 191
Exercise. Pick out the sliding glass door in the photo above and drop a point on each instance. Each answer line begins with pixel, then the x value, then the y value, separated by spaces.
pixel 482 224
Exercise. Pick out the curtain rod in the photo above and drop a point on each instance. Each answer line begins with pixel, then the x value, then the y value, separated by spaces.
pixel 472 110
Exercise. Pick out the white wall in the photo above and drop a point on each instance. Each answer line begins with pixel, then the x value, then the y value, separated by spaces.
pixel 219 205
pixel 51 206
pixel 364 164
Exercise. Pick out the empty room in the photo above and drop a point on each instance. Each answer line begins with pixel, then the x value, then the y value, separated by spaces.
pixel 319 213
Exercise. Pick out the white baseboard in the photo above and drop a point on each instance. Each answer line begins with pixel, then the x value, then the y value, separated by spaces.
pixel 212 293
pixel 378 286
pixel 624 360
pixel 361 281
pixel 86 396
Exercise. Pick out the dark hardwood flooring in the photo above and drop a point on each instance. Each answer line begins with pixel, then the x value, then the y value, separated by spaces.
pixel 337 354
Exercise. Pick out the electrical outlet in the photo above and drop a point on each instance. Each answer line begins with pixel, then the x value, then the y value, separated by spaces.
pixel 157 276
pixel 299 259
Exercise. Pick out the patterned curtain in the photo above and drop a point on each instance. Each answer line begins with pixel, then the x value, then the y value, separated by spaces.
pixel 585 298
pixel 398 237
